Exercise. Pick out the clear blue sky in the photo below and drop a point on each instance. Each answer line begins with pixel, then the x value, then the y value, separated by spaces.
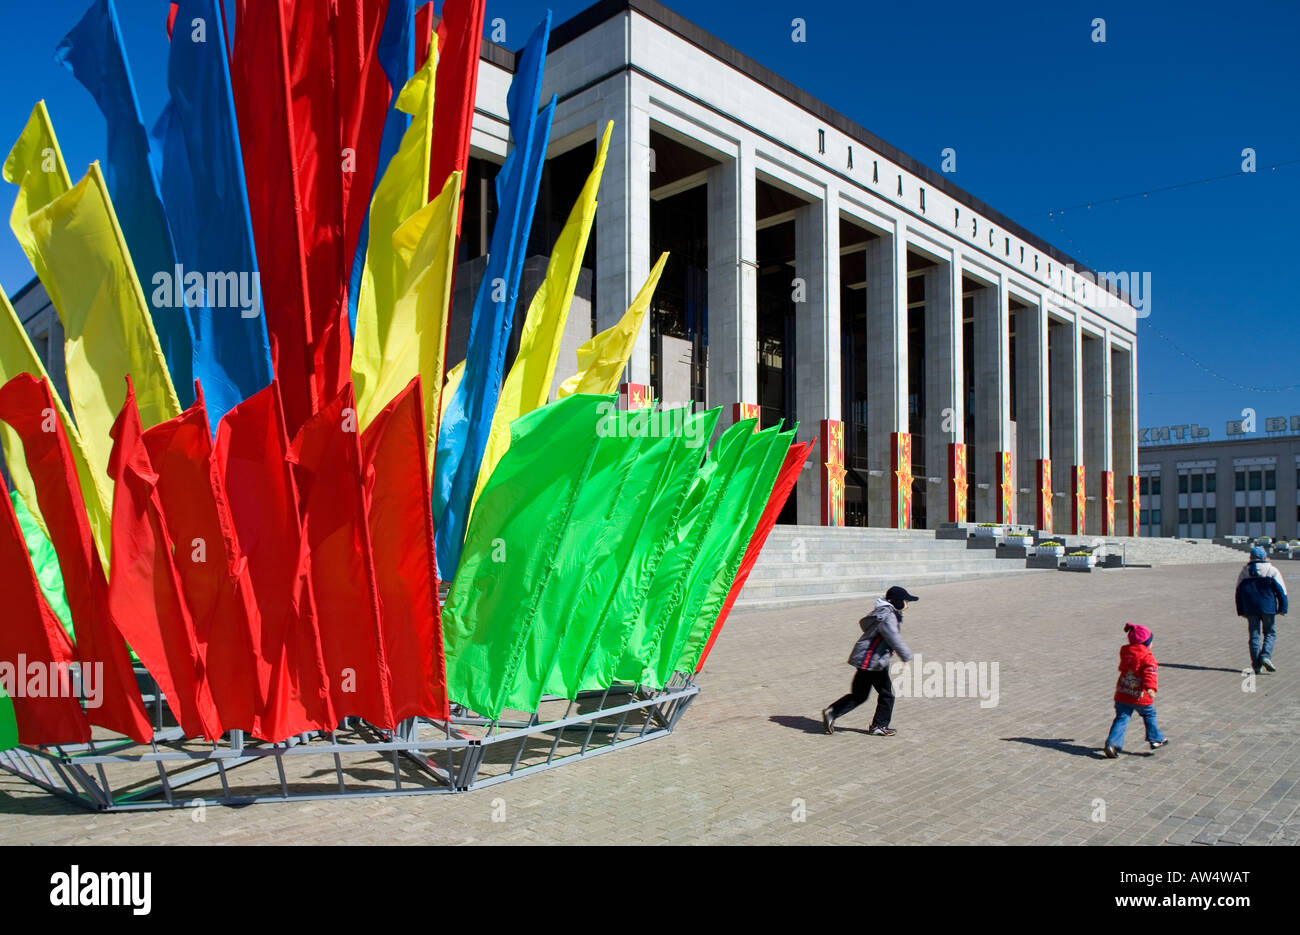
pixel 1041 118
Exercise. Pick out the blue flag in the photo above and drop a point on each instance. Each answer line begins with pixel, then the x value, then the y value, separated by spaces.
pixel 396 53
pixel 207 205
pixel 93 52
pixel 463 435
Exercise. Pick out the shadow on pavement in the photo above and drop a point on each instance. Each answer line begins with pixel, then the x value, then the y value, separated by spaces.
pixel 812 725
pixel 1065 745
pixel 1174 665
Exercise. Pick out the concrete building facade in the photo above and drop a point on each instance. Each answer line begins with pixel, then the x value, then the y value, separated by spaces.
pixel 950 365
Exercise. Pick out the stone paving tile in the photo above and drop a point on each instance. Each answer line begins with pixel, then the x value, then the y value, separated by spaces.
pixel 749 759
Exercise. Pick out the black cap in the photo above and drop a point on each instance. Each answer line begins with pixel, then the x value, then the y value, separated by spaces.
pixel 897 595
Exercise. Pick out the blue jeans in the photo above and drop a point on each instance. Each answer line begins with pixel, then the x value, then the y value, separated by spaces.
pixel 1261 650
pixel 1125 711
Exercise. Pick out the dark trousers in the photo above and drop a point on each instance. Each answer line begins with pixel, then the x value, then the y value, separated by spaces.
pixel 863 681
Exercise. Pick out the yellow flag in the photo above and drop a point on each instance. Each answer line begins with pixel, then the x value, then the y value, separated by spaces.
pixel 413 334
pixel 453 381
pixel 35 165
pixel 529 381
pixel 76 247
pixel 18 356
pixel 402 191
pixel 602 360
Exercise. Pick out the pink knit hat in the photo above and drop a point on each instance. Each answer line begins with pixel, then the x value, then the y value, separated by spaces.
pixel 1137 633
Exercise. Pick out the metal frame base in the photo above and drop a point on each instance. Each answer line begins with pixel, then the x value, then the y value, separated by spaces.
pixel 421 757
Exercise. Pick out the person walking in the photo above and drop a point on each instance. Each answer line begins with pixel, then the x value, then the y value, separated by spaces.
pixel 1261 596
pixel 871 656
pixel 1135 692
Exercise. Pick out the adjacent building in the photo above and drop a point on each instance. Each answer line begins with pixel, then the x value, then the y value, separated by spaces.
pixel 1243 486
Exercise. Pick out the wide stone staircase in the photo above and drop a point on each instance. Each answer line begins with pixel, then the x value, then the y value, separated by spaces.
pixel 803 565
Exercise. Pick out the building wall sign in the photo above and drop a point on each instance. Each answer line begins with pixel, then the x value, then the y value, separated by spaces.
pixel 1274 424
pixel 1180 432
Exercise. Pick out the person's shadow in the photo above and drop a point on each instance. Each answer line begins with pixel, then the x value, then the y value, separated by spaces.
pixel 1065 745
pixel 811 725
pixel 1175 665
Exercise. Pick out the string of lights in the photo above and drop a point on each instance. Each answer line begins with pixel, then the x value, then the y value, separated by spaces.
pixel 1170 188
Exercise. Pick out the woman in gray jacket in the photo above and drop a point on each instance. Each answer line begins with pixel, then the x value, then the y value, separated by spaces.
pixel 871 656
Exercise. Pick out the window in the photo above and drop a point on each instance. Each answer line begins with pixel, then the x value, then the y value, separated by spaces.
pixel 1256 480
pixel 1198 483
pixel 1198 515
pixel 1211 482
pixel 1270 479
pixel 1145 486
pixel 1182 517
pixel 1155 517
pixel 1270 514
pixel 1241 480
pixel 1241 514
pixel 1182 483
pixel 1256 514
pixel 1155 486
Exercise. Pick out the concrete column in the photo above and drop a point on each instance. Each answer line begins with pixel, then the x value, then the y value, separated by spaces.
pixel 886 364
pixel 1066 417
pixel 733 285
pixel 623 221
pixel 1033 406
pixel 817 338
pixel 1096 425
pixel 1124 428
pixel 992 395
pixel 945 403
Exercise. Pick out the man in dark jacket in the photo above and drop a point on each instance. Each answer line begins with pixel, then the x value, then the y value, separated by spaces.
pixel 871 656
pixel 1261 595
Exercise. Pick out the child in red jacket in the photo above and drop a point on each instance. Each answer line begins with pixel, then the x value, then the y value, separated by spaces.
pixel 1135 691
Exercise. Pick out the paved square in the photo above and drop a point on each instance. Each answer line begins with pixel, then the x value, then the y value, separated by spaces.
pixel 749 758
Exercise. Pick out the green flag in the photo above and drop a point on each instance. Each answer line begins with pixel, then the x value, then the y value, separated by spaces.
pixel 668 501
pixel 605 546
pixel 743 504
pixel 511 546
pixel 8 726
pixel 45 561
pixel 663 603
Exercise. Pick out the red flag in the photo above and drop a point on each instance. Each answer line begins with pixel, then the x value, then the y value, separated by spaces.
pixel 460 43
pixel 213 573
pixel 252 460
pixel 144 589
pixel 363 95
pixel 259 75
pixel 31 635
pixel 28 407
pixel 336 554
pixel 400 518
pixel 785 480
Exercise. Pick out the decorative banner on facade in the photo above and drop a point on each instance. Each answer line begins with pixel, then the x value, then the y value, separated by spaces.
pixel 1134 505
pixel 742 411
pixel 900 444
pixel 957 485
pixel 1080 504
pixel 1006 487
pixel 633 396
pixel 1044 512
pixel 1108 503
pixel 832 435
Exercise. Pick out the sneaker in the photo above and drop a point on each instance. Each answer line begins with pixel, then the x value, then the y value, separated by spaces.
pixel 882 731
pixel 828 719
pixel 1111 752
pixel 1159 744
pixel 1268 665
